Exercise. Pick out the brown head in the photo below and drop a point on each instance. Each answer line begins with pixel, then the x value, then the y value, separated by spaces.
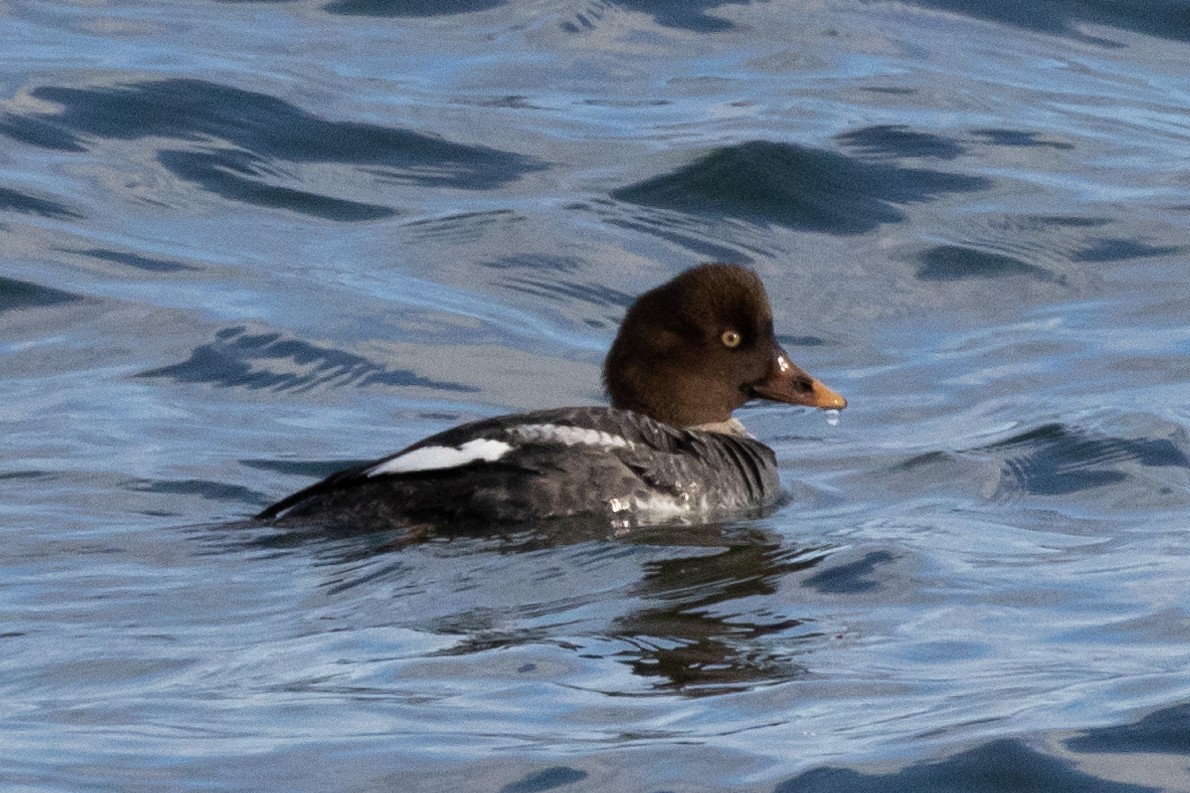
pixel 694 349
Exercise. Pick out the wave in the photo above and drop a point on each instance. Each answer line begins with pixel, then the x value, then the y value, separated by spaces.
pixel 16 201
pixel 16 295
pixel 241 144
pixel 1168 19
pixel 796 186
pixel 238 358
pixel 1147 460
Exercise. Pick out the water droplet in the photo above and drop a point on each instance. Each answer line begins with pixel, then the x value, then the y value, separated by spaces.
pixel 832 417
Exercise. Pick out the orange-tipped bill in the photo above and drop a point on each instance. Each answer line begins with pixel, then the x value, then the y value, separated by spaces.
pixel 788 382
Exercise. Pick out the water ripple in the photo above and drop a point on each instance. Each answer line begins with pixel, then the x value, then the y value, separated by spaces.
pixel 956 262
pixel 798 187
pixel 1114 249
pixel 685 14
pixel 1164 18
pixel 895 140
pixel 994 767
pixel 1058 459
pixel 133 260
pixel 1147 462
pixel 16 201
pixel 261 133
pixel 409 8
pixel 16 295
pixel 242 359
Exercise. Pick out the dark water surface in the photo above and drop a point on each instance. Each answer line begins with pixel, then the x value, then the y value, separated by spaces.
pixel 243 244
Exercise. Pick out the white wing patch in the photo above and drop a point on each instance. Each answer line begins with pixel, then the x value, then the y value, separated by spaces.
pixel 436 458
pixel 569 436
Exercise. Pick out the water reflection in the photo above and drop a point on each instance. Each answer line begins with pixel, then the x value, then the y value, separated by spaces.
pixel 692 609
pixel 696 633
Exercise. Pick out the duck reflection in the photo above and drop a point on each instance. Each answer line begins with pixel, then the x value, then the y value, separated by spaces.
pixel 691 609
pixel 699 634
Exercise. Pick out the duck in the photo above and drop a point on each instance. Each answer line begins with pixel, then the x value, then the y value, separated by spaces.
pixel 687 355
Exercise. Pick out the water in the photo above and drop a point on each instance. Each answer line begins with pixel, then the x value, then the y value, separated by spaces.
pixel 245 244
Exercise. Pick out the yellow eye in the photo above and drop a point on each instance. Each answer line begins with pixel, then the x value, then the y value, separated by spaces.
pixel 731 339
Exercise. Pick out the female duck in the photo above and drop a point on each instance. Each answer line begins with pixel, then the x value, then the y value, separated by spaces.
pixel 688 353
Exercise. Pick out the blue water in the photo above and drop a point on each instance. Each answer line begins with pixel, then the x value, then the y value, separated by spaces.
pixel 243 244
